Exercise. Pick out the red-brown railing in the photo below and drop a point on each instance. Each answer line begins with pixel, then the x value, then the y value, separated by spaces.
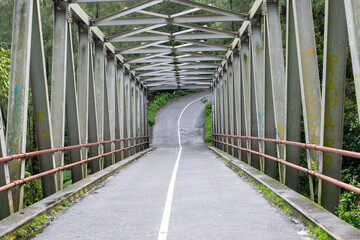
pixel 61 149
pixel 304 145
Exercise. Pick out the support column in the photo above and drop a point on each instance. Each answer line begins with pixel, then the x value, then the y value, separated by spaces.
pixel 40 99
pixel 99 79
pixel 293 121
pixel 110 81
pixel 83 91
pixel 231 126
pixel 18 97
pixel 246 86
pixel 92 126
pixel 309 82
pixel 257 53
pixel 58 86
pixel 237 100
pixel 333 97
pixel 277 70
pixel 72 114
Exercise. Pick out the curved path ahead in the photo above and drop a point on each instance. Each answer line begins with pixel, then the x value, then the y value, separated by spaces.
pixel 175 192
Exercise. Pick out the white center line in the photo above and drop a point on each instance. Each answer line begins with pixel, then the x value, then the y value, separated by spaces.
pixel 167 209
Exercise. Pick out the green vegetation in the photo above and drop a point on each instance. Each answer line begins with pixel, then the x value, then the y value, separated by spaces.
pixel 349 207
pixel 208 122
pixel 37 225
pixel 159 98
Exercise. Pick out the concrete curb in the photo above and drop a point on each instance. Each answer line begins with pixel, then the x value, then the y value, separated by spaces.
pixel 12 223
pixel 304 209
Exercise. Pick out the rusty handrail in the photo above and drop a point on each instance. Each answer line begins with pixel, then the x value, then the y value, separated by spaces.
pixel 24 180
pixel 61 149
pixel 311 172
pixel 304 145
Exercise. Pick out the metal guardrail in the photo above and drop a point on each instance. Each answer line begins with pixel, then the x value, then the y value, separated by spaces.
pixel 304 145
pixel 61 149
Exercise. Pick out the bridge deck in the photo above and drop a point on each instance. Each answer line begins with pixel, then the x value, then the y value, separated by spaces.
pixel 209 200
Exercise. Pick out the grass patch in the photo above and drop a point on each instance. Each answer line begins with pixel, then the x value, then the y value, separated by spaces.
pixel 159 98
pixel 37 225
pixel 208 122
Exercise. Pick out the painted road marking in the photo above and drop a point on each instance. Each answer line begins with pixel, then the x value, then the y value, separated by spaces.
pixel 167 209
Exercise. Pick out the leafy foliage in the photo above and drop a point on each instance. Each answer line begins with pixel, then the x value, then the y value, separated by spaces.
pixel 208 122
pixel 349 207
pixel 32 191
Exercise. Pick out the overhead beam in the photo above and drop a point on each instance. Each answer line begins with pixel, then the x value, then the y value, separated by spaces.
pixel 211 9
pixel 126 11
pixel 155 37
pixel 160 20
pixel 131 33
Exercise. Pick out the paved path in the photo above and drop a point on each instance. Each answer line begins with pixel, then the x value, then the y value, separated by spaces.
pixel 208 200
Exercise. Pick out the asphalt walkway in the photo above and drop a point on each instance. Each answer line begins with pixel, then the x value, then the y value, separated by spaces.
pixel 178 191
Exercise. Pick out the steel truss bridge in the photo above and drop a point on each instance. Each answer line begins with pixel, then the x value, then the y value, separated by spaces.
pixel 264 89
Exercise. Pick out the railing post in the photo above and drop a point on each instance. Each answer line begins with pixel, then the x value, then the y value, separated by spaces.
pixel 309 82
pixel 246 86
pixel 231 125
pixel 133 113
pixel 92 118
pixel 40 99
pixel 18 96
pixel 99 81
pixel 276 59
pixel 127 103
pixel 4 173
pixel 58 86
pixel 72 114
pixel 83 90
pixel 333 97
pixel 270 168
pixel 258 100
pixel 293 100
pixel 110 82
pixel 237 99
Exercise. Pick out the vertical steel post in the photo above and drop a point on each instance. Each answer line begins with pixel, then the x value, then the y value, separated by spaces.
pixel 246 87
pixel 40 99
pixel 110 81
pixel 237 99
pixel 4 173
pixel 226 106
pixel 127 103
pixel 72 114
pixel 222 111
pixel 259 87
pixel 270 166
pixel 352 9
pixel 214 112
pixel 309 81
pixel 58 86
pixel 121 104
pixel 92 121
pixel 141 118
pixel 276 59
pixel 133 113
pixel 146 118
pixel 293 108
pixel 231 127
pixel 333 97
pixel 107 135
pixel 18 96
pixel 99 79
pixel 117 117
pixel 83 89
pixel 138 115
